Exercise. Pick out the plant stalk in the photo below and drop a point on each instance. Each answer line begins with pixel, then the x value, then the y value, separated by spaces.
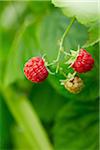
pixel 26 119
pixel 62 41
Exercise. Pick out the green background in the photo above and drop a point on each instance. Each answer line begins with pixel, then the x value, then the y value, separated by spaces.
pixel 33 28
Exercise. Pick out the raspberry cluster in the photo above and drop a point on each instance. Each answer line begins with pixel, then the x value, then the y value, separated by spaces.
pixel 81 61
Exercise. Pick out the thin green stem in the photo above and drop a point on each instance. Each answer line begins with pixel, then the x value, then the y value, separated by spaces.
pixel 67 30
pixel 61 49
pixel 62 41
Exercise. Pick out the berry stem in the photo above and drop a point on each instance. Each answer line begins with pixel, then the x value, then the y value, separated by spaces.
pixel 66 31
pixel 61 49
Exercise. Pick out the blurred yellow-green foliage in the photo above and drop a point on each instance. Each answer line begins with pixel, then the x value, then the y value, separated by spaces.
pixel 45 116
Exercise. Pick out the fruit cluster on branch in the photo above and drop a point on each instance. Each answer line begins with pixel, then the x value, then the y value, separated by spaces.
pixel 36 69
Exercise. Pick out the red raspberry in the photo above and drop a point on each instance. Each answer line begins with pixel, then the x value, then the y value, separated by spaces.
pixel 35 70
pixel 84 62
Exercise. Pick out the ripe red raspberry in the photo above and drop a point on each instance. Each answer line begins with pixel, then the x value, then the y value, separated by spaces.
pixel 35 70
pixel 84 62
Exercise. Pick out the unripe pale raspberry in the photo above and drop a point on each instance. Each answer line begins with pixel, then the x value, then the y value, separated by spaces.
pixel 74 85
pixel 35 70
pixel 84 62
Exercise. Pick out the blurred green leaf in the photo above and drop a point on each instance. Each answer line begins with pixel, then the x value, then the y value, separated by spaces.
pixel 77 127
pixel 86 12
pixel 19 139
pixel 11 14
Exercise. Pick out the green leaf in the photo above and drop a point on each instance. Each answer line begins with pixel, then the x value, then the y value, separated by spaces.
pixel 77 127
pixel 86 12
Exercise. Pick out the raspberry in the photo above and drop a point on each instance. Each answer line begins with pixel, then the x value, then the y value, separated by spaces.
pixel 74 85
pixel 84 62
pixel 35 70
